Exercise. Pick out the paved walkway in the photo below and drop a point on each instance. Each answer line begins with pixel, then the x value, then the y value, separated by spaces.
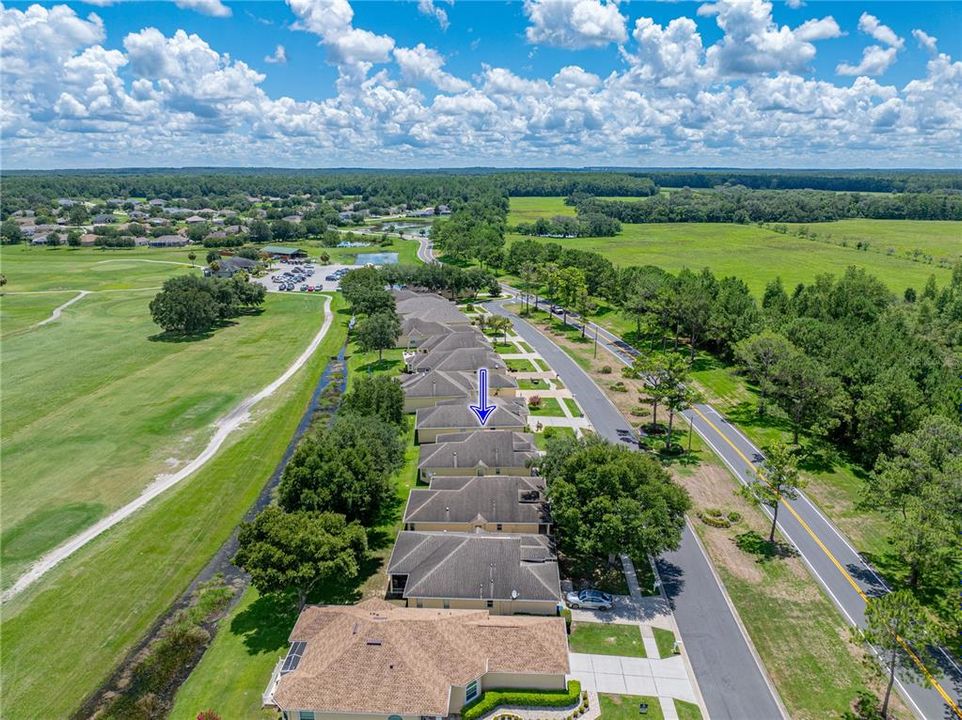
pixel 664 678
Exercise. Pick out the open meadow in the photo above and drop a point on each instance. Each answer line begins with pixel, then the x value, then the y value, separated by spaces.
pixel 755 254
pixel 79 620
pixel 939 239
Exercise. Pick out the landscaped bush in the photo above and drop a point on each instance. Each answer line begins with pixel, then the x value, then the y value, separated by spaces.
pixel 606 370
pixel 491 699
pixel 734 516
pixel 566 614
pixel 618 386
pixel 534 401
pixel 714 517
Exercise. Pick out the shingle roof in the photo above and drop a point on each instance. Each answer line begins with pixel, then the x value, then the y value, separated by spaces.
pixel 488 499
pixel 467 358
pixel 485 566
pixel 454 340
pixel 481 448
pixel 451 383
pixel 456 414
pixel 374 657
pixel 432 307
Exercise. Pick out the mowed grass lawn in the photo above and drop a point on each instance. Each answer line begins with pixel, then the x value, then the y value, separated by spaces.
pixel 79 621
pixel 754 254
pixel 95 406
pixel 607 639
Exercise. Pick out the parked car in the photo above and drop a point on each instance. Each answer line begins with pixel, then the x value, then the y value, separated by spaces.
pixel 590 600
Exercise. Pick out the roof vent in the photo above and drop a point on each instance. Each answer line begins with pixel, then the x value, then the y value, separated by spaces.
pixel 374 642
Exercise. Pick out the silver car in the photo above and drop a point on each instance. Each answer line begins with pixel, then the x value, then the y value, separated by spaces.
pixel 590 600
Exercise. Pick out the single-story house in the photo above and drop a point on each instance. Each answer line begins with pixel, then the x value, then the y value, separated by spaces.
pixel 104 219
pixel 195 219
pixel 158 221
pixel 479 452
pixel 293 218
pixel 283 252
pixel 230 266
pixel 434 386
pixel 455 416
pixel 157 202
pixel 375 660
pixel 454 340
pixel 168 241
pixel 415 331
pixel 495 503
pixel 434 308
pixel 88 239
pixel 470 359
pixel 503 573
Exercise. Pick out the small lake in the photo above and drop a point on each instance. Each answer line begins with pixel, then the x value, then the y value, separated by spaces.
pixel 385 258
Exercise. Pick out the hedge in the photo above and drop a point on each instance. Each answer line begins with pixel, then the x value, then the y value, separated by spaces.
pixel 492 699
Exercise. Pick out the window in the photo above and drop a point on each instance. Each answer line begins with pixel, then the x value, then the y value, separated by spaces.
pixel 420 603
pixel 490 603
pixel 306 715
pixel 471 691
pixel 500 527
pixel 447 604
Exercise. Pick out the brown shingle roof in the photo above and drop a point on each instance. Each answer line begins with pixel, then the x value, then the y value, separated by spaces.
pixel 374 657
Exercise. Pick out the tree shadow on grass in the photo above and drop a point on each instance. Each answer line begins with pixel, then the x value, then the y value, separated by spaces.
pixel 178 337
pixel 266 623
pixel 378 366
pixel 754 544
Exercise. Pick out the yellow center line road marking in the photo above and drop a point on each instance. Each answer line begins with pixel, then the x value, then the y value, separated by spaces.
pixel 845 574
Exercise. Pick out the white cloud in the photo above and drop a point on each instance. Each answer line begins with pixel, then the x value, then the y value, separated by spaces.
pixel 278 57
pixel 574 24
pixel 925 40
pixel 422 63
pixel 795 4
pixel 754 43
pixel 214 8
pixel 870 25
pixel 875 61
pixel 175 99
pixel 427 7
pixel 353 50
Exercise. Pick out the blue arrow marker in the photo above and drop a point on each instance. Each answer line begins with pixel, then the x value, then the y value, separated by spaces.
pixel 482 409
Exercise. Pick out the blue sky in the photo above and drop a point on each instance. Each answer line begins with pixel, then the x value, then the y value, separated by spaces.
pixel 441 83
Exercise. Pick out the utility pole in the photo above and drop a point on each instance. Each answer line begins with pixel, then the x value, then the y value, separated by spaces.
pixel 596 340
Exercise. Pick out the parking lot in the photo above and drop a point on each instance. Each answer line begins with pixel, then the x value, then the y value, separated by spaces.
pixel 287 277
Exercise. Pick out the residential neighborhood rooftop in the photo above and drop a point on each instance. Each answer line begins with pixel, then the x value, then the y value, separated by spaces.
pixel 489 499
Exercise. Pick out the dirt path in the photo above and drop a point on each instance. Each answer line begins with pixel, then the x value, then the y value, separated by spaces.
pixel 57 311
pixel 222 429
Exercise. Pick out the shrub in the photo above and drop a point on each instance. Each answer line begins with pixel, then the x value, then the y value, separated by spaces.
pixel 734 516
pixel 492 699
pixel 566 614
pixel 714 519
pixel 606 370
pixel 534 401
pixel 618 386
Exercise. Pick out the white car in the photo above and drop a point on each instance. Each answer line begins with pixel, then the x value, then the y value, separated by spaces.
pixel 590 600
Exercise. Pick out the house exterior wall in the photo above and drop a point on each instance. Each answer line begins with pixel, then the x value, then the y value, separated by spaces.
pixel 414 403
pixel 430 435
pixel 499 607
pixel 322 715
pixel 525 528
pixel 523 681
pixel 469 471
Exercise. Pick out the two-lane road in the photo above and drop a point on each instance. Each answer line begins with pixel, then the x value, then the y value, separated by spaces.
pixel 729 674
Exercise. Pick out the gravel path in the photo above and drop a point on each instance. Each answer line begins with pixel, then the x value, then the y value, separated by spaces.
pixel 222 429
pixel 58 311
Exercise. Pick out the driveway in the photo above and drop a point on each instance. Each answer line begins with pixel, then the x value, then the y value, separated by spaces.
pixel 666 678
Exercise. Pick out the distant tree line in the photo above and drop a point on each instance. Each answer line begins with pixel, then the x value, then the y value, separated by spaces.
pixel 587 224
pixel 740 205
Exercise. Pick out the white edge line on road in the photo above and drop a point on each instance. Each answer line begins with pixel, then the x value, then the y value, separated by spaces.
pixel 904 692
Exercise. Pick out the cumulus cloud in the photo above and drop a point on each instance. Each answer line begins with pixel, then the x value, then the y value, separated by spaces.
pixel 422 63
pixel 754 43
pixel 427 7
pixel 352 49
pixel 926 41
pixel 875 61
pixel 214 8
pixel 870 25
pixel 574 24
pixel 278 57
pixel 175 99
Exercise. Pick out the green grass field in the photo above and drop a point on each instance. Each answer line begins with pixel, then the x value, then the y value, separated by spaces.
pixel 606 639
pixel 938 238
pixel 80 620
pixel 626 707
pixel 84 433
pixel 757 255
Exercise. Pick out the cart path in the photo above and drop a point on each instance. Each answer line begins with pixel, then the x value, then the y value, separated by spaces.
pixel 58 311
pixel 222 429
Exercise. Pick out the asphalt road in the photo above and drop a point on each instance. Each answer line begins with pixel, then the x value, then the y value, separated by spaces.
pixel 841 571
pixel 731 680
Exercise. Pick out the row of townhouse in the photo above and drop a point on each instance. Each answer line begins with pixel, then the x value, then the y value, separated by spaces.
pixel 473 585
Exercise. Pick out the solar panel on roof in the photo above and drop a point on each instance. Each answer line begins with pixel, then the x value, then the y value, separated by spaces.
pixel 293 657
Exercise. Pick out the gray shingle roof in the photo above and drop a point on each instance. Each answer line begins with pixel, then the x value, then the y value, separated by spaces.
pixel 468 358
pixel 493 498
pixel 454 340
pixel 481 448
pixel 432 307
pixel 448 383
pixel 510 412
pixel 485 566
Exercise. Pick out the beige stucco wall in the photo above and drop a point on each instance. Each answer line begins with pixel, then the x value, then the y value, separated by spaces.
pixel 321 715
pixel 526 528
pixel 430 435
pixel 501 607
pixel 533 681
